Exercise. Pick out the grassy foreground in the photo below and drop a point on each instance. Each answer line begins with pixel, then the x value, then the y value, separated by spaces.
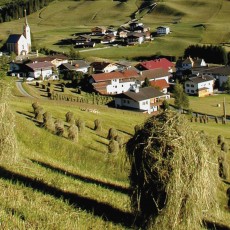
pixel 191 22
pixel 59 184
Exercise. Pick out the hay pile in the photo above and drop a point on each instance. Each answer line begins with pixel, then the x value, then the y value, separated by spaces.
pixel 171 173
pixel 8 141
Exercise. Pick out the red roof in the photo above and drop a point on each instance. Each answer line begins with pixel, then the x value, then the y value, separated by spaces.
pixel 114 75
pixel 161 84
pixel 157 63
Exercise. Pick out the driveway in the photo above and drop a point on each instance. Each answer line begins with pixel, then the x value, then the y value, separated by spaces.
pixel 21 89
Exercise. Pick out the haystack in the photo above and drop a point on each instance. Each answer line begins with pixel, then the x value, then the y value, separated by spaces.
pixel 171 174
pixel 8 141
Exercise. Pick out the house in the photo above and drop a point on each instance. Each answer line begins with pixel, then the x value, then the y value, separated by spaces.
pixel 200 85
pixel 162 63
pixel 82 38
pixel 160 84
pixel 98 30
pixel 103 67
pixel 134 38
pixel 20 44
pixel 56 59
pixel 190 63
pixel 108 38
pixel 163 30
pixel 76 65
pixel 114 82
pixel 146 99
pixel 43 70
pixel 220 73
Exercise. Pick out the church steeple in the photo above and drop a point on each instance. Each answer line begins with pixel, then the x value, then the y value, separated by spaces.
pixel 26 32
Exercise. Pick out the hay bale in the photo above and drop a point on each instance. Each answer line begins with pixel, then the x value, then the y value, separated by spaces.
pixel 39 111
pixel 220 139
pixel 136 128
pixel 171 173
pixel 59 127
pixel 97 125
pixel 113 146
pixel 224 147
pixel 120 141
pixel 223 168
pixel 70 117
pixel 111 134
pixel 73 133
pixel 8 140
pixel 35 105
pixel 228 192
pixel 81 125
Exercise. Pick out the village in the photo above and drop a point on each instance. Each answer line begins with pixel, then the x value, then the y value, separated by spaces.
pixel 142 86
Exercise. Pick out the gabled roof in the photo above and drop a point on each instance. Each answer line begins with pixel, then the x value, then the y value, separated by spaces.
pixel 80 64
pixel 99 65
pixel 154 73
pixel 49 58
pixel 219 70
pixel 114 75
pixel 201 79
pixel 154 64
pixel 135 34
pixel 143 94
pixel 162 27
pixel 161 84
pixel 39 65
pixel 14 38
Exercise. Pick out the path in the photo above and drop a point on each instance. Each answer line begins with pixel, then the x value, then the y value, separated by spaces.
pixel 93 49
pixel 21 89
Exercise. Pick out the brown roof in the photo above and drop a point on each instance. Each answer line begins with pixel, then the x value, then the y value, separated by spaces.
pixel 115 75
pixel 49 58
pixel 40 65
pixel 201 79
pixel 99 65
pixel 143 94
pixel 154 73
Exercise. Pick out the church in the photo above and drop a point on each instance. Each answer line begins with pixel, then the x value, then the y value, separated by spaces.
pixel 20 44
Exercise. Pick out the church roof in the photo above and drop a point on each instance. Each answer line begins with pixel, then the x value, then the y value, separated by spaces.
pixel 14 38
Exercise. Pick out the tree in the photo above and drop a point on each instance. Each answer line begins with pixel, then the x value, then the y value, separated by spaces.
pixel 181 98
pixel 226 85
pixel 73 54
pixel 146 83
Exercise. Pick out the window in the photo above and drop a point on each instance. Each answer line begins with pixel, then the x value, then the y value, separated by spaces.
pixel 192 91
pixel 187 85
pixel 128 101
pixel 124 101
pixel 192 85
pixel 187 90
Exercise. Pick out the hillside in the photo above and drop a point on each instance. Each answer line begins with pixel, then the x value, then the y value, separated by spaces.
pixel 191 22
pixel 60 184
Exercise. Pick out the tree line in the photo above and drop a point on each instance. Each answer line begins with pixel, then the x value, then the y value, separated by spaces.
pixel 210 53
pixel 15 9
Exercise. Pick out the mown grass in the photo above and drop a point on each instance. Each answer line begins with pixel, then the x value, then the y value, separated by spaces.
pixel 60 184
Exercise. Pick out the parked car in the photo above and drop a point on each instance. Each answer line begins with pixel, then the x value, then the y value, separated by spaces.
pixel 29 79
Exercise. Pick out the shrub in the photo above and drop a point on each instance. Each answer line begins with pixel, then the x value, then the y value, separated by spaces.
pixel 113 146
pixel 224 147
pixel 112 133
pixel 69 117
pixel 81 125
pixel 164 178
pixel 73 133
pixel 97 125
pixel 59 127
pixel 220 139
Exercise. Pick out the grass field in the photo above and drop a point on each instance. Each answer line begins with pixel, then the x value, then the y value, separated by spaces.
pixel 190 22
pixel 60 184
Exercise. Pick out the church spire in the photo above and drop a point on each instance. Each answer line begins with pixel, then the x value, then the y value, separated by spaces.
pixel 26 32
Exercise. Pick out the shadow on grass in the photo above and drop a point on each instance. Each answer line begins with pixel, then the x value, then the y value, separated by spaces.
pixel 122 131
pixel 103 210
pixel 103 143
pixel 85 179
pixel 30 117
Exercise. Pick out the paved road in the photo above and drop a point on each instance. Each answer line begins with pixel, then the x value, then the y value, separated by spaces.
pixel 21 89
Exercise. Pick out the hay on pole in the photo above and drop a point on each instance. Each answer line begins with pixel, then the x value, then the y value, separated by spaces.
pixel 171 174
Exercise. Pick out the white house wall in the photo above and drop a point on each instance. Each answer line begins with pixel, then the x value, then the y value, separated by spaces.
pixel 117 87
pixel 38 73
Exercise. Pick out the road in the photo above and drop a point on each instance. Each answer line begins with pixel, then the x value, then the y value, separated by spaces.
pixel 21 89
